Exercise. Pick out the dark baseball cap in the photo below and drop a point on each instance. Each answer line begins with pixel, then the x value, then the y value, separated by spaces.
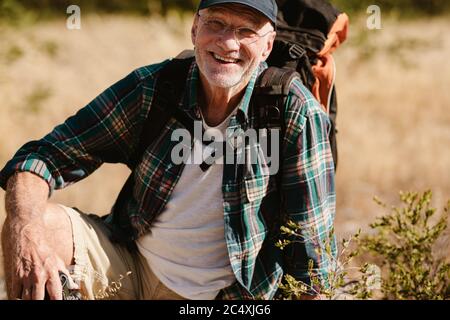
pixel 266 7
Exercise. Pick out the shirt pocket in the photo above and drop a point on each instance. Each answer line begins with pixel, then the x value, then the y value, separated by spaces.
pixel 257 179
pixel 257 187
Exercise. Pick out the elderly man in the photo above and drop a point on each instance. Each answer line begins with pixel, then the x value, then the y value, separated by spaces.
pixel 191 232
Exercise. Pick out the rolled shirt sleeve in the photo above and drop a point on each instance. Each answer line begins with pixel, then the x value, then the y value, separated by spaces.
pixel 105 130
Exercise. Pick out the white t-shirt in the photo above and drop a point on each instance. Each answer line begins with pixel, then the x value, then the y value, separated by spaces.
pixel 186 248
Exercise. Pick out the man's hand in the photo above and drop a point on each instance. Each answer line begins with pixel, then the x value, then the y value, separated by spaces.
pixel 35 240
pixel 31 264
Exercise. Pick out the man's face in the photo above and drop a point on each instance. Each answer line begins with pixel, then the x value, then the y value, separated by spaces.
pixel 224 61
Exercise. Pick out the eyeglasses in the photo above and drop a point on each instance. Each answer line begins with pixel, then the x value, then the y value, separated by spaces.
pixel 243 35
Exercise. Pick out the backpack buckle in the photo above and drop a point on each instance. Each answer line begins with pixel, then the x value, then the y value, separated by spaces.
pixel 273 112
pixel 296 52
pixel 272 117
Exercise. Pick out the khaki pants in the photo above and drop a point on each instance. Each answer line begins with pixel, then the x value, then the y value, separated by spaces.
pixel 106 270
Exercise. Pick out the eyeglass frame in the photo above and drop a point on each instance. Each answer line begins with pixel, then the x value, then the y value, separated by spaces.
pixel 227 27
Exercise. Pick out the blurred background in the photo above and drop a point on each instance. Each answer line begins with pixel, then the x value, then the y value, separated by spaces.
pixel 393 90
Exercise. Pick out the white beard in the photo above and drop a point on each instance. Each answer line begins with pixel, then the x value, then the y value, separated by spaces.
pixel 223 80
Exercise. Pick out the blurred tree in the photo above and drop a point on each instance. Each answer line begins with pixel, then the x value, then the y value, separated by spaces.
pixel 135 6
pixel 13 8
pixel 427 7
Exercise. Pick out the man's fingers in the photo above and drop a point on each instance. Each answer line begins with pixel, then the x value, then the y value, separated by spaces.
pixel 15 287
pixel 38 278
pixel 26 293
pixel 54 288
pixel 38 291
pixel 26 290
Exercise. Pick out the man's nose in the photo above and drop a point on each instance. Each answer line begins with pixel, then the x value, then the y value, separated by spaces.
pixel 228 40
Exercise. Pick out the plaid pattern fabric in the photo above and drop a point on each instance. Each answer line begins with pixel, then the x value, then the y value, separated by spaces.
pixel 108 130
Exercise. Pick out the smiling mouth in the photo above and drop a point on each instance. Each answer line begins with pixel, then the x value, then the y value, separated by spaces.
pixel 224 60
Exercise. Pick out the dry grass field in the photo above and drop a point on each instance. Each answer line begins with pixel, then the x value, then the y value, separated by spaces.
pixel 393 91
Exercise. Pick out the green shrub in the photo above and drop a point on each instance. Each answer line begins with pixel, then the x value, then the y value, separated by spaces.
pixel 404 240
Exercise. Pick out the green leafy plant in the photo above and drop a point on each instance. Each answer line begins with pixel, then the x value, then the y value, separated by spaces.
pixel 336 283
pixel 405 241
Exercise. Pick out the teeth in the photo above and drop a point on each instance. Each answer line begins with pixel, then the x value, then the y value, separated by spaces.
pixel 225 59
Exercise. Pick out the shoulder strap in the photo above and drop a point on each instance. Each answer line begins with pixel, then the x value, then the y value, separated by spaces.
pixel 170 86
pixel 270 95
pixel 268 109
pixel 269 100
pixel 276 81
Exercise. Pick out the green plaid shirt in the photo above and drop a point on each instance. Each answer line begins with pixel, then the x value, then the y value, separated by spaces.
pixel 108 130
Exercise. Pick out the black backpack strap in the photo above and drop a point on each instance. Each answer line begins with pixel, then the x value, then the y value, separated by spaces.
pixel 269 104
pixel 170 86
pixel 268 109
pixel 269 100
pixel 270 95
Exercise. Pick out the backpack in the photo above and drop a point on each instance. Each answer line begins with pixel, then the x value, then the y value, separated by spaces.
pixel 307 32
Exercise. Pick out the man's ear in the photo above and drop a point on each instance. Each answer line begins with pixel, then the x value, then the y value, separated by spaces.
pixel 194 29
pixel 268 45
